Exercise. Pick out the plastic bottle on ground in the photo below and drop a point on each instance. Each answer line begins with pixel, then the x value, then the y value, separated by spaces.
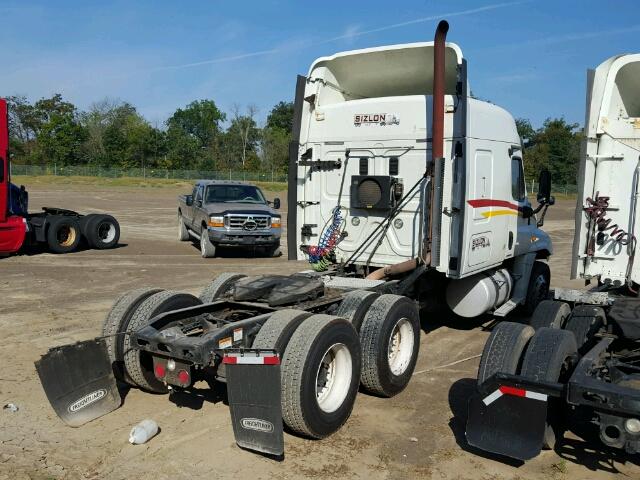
pixel 142 432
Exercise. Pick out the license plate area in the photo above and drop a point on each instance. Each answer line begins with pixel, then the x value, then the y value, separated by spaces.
pixel 173 372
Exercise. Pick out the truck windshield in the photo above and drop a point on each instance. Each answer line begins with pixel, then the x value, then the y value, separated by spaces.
pixel 233 193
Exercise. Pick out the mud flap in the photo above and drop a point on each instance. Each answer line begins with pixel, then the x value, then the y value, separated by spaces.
pixel 79 382
pixel 253 388
pixel 508 422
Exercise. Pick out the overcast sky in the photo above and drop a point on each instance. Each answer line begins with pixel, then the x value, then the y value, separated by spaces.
pixel 530 57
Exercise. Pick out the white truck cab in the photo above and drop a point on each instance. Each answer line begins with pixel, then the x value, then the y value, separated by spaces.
pixel 363 142
pixel 607 205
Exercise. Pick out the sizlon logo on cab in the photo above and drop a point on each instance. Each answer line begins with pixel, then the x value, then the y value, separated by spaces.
pixel 380 119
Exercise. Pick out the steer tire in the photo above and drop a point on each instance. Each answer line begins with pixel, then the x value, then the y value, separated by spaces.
pixel 538 288
pixel 139 364
pixel 116 322
pixel 207 249
pixel 183 233
pixel 584 323
pixel 220 286
pixel 277 331
pixel 102 231
pixel 385 314
pixel 314 339
pixel 548 358
pixel 503 351
pixel 354 306
pixel 550 314
pixel 63 234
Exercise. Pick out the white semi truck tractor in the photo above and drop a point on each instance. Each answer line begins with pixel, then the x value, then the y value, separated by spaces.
pixel 577 365
pixel 403 190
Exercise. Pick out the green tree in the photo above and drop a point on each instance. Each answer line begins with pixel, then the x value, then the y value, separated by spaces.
pixel 556 147
pixel 281 117
pixel 59 134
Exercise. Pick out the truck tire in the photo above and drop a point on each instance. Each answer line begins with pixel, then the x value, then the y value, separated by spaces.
pixel 102 231
pixel 550 314
pixel 84 220
pixel 118 318
pixel 354 306
pixel 277 331
pixel 272 251
pixel 503 351
pixel 220 286
pixel 183 233
pixel 207 249
pixel 63 234
pixel 548 359
pixel 584 323
pixel 538 289
pixel 320 374
pixel 116 322
pixel 138 364
pixel 390 339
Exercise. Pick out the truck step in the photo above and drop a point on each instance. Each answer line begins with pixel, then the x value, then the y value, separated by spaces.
pixel 508 307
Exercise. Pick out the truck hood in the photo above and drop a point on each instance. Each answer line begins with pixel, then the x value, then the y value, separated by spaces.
pixel 245 208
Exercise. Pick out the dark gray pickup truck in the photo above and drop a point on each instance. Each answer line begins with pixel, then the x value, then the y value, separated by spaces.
pixel 226 213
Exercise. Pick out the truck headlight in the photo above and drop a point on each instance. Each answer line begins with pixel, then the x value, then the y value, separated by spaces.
pixel 275 222
pixel 216 222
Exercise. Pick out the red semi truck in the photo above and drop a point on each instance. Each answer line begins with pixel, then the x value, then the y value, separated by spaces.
pixel 61 230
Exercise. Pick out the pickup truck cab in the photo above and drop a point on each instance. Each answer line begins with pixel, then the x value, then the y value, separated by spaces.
pixel 227 213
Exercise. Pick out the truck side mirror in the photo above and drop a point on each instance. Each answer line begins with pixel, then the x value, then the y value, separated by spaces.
pixel 276 203
pixel 544 189
pixel 527 211
pixel 189 200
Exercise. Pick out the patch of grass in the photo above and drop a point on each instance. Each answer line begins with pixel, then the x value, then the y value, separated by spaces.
pixel 123 182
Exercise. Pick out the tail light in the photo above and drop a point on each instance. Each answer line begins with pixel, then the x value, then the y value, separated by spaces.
pixel 183 377
pixel 160 371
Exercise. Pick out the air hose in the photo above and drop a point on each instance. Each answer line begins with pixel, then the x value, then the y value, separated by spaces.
pixel 320 255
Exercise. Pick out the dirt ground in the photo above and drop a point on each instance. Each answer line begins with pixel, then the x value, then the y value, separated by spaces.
pixel 49 300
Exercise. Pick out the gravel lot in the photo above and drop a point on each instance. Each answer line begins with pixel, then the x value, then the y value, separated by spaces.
pixel 49 300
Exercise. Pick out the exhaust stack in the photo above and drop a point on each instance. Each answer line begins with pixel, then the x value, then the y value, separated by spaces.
pixel 437 146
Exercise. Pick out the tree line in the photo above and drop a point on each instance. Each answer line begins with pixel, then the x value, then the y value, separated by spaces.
pixel 114 134
pixel 555 147
pixel 200 136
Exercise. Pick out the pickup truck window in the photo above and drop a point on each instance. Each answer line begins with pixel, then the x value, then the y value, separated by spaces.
pixel 234 193
pixel 199 194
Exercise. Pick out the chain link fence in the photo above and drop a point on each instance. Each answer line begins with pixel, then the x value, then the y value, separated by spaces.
pixel 92 171
pixel 249 176
pixel 532 187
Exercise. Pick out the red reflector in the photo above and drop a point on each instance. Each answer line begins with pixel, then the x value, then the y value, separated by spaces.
pixel 272 360
pixel 183 377
pixel 518 392
pixel 229 359
pixel 160 371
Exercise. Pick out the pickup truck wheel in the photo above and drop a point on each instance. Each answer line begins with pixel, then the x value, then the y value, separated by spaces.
pixel 549 357
pixel 139 364
pixel 503 350
pixel 183 233
pixel 207 249
pixel 220 286
pixel 277 331
pixel 551 314
pixel 272 251
pixel 117 321
pixel 354 306
pixel 390 338
pixel 63 234
pixel 320 372
pixel 102 231
pixel 538 288
pixel 584 323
